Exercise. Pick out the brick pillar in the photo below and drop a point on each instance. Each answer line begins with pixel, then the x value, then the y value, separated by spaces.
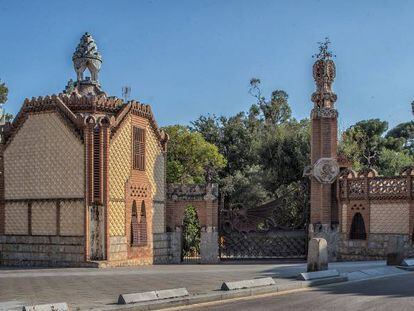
pixel 105 134
pixel 2 203
pixel 88 138
pixel 209 247
pixel 323 152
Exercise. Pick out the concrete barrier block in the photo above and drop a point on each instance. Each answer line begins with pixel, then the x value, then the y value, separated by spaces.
pixel 171 293
pixel 61 306
pixel 408 262
pixel 152 295
pixel 308 276
pixel 247 283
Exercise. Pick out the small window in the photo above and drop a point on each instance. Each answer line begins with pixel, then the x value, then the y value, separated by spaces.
pixel 138 225
pixel 139 149
pixel 358 228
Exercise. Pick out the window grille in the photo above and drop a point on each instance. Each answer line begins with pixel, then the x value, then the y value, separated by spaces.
pixel 138 225
pixel 139 149
pixel 96 165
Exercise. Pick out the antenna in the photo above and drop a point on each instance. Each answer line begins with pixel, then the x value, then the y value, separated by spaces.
pixel 126 92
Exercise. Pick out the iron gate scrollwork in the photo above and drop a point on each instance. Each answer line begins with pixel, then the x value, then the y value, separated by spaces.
pixel 277 229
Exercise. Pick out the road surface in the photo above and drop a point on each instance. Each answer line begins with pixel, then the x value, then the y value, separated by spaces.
pixel 393 293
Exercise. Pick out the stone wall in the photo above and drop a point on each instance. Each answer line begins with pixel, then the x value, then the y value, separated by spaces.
pixel 374 248
pixel 41 251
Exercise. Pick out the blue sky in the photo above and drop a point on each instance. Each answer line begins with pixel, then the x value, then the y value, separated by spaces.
pixel 188 58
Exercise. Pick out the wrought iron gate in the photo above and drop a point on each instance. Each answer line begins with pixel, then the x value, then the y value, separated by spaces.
pixel 271 230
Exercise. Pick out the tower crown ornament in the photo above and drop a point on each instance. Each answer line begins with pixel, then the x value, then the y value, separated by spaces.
pixel 324 72
pixel 86 56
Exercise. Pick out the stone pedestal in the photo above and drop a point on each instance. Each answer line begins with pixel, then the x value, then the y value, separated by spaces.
pixel 209 248
pixel 317 255
pixel 395 251
pixel 330 234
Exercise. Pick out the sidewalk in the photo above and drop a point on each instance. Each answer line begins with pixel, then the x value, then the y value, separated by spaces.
pixel 87 288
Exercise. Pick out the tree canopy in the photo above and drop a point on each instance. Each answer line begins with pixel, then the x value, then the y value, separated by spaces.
pixel 190 156
pixel 368 144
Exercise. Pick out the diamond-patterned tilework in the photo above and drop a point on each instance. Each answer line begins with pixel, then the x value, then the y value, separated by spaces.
pixel 72 218
pixel 44 160
pixel 16 218
pixel 120 160
pixel 155 165
pixel 158 218
pixel 156 176
pixel 389 218
pixel 116 218
pixel 44 218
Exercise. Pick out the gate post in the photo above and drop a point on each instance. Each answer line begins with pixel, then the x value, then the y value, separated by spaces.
pixel 324 166
pixel 176 246
pixel 209 248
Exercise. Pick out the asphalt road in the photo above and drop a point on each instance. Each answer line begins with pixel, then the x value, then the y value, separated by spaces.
pixel 393 293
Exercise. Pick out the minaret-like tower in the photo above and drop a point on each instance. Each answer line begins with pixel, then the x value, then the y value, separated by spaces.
pixel 324 167
pixel 86 57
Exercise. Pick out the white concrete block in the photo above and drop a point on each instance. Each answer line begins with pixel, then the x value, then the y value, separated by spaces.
pixel 151 296
pixel 137 297
pixel 61 306
pixel 247 283
pixel 308 276
pixel 171 293
pixel 408 262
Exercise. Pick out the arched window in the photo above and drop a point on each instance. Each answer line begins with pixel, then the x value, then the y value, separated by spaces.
pixel 138 225
pixel 358 228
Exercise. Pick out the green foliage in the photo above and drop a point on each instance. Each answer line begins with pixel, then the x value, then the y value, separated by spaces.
pixel 265 148
pixel 191 232
pixel 190 156
pixel 8 117
pixel 366 145
pixel 391 162
pixel 4 91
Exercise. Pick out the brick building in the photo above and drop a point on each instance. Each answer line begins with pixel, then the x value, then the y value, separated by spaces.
pixel 84 177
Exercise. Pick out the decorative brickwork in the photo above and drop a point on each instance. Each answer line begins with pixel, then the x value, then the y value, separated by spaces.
pixel 16 220
pixel 390 217
pixel 52 166
pixel 72 218
pixel 116 218
pixel 44 218
pixel 120 161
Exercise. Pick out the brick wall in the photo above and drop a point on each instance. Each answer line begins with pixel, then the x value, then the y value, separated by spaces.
pixel 203 197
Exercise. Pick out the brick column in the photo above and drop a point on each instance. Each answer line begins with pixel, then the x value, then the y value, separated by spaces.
pixel 2 203
pixel 88 138
pixel 105 134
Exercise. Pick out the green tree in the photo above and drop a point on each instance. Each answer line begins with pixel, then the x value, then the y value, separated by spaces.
pixel 391 162
pixel 191 232
pixel 190 157
pixel 368 144
pixel 4 91
pixel 405 132
pixel 265 147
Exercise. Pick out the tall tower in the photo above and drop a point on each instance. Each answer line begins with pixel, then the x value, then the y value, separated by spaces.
pixel 324 166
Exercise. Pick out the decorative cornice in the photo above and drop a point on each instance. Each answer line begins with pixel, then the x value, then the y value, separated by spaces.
pixel 324 112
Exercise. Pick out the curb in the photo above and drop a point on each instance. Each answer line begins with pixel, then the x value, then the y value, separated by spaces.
pixel 222 296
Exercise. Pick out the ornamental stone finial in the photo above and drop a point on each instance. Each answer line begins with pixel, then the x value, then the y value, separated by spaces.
pixel 86 56
pixel 324 74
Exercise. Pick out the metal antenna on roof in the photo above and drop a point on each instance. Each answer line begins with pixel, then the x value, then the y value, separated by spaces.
pixel 126 92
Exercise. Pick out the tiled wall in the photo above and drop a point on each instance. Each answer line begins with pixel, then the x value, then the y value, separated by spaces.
pixel 53 161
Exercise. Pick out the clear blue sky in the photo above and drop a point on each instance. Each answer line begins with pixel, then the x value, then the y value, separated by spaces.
pixel 188 58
